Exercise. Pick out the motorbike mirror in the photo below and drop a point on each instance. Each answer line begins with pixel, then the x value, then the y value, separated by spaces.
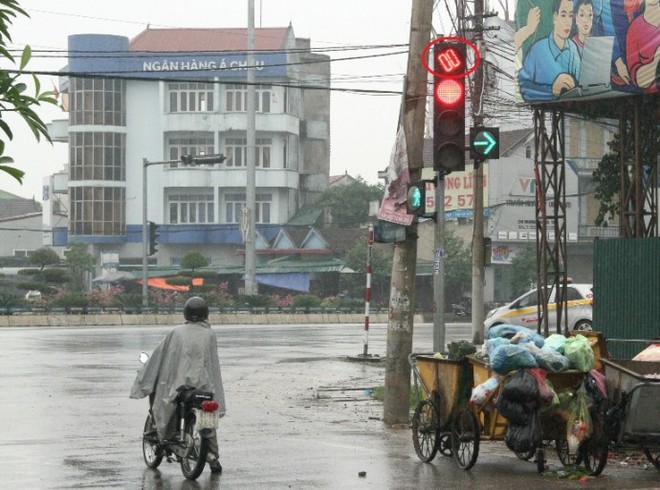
pixel 144 357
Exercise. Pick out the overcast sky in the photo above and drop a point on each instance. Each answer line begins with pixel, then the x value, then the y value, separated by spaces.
pixel 362 126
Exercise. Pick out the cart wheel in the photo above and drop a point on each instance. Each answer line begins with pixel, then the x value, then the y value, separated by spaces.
pixel 445 445
pixel 561 445
pixel 526 456
pixel 465 436
pixel 595 449
pixel 653 456
pixel 540 460
pixel 426 430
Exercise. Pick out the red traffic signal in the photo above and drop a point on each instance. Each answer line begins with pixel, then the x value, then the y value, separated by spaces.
pixel 449 72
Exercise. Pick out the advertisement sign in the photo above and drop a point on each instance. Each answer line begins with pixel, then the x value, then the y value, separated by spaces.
pixel 459 191
pixel 586 49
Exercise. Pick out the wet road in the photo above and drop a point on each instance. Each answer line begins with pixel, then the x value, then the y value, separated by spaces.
pixel 298 415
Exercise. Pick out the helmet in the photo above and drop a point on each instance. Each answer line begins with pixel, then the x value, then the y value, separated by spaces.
pixel 196 309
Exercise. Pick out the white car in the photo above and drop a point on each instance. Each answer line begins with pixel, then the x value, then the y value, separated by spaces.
pixel 524 310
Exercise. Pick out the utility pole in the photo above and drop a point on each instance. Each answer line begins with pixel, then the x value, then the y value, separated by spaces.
pixel 478 275
pixel 402 297
pixel 250 192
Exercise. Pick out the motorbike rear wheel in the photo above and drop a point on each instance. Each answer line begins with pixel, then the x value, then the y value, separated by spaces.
pixel 151 448
pixel 192 464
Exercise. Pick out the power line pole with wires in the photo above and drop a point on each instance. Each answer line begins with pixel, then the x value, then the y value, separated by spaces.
pixel 478 274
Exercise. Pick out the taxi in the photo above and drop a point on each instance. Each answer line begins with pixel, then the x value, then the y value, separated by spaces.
pixel 524 310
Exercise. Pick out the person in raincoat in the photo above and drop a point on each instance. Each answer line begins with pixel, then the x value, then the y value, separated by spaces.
pixel 186 358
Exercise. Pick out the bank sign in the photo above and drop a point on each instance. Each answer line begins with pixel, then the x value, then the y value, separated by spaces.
pixel 109 55
pixel 586 49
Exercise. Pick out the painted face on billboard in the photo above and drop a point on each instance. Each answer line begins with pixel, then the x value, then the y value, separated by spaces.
pixel 563 19
pixel 584 19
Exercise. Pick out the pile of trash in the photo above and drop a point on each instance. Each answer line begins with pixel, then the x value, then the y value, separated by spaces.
pixel 520 390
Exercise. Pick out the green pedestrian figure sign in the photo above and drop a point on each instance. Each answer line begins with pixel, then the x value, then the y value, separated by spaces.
pixel 484 143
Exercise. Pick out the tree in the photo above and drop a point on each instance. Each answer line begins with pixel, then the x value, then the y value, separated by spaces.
pixel 381 268
pixel 194 260
pixel 12 92
pixel 458 268
pixel 607 177
pixel 80 261
pixel 347 206
pixel 43 257
pixel 524 270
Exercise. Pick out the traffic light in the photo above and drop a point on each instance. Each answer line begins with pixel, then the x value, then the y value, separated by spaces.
pixel 153 237
pixel 484 143
pixel 421 199
pixel 202 159
pixel 450 70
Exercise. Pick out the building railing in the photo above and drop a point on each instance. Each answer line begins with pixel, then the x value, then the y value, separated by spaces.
pixel 169 309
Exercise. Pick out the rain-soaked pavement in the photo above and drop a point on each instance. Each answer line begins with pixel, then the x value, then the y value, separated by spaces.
pixel 299 416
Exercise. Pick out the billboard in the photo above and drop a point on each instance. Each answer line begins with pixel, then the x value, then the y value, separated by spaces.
pixel 586 49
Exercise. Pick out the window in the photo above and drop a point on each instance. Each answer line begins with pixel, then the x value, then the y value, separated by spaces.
pixel 237 98
pixel 196 145
pixel 237 152
pixel 98 101
pixel 97 210
pixel 97 156
pixel 191 208
pixel 191 97
pixel 236 202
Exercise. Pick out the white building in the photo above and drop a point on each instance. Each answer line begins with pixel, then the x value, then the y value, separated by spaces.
pixel 173 92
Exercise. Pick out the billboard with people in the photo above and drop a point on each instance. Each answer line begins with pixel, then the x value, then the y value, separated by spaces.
pixel 586 49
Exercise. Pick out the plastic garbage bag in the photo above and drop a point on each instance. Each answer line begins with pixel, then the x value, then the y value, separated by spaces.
pixel 555 341
pixel 579 426
pixel 483 392
pixel 579 352
pixel 510 357
pixel 549 359
pixel 509 331
pixel 524 438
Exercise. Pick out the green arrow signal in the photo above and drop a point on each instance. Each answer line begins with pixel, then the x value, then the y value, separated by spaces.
pixel 489 142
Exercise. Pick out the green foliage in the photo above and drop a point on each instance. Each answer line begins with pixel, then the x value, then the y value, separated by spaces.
pixel 306 300
pixel 255 300
pixel 381 270
pixel 347 206
pixel 378 393
pixel 69 300
pixel 12 91
pixel 31 285
pixel 458 350
pixel 43 257
pixel 458 268
pixel 194 260
pixel 28 272
pixel 219 296
pixel 11 300
pixel 607 177
pixel 524 270
pixel 80 261
pixel 59 276
pixel 178 281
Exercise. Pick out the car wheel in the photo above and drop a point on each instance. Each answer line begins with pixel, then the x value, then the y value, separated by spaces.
pixel 583 325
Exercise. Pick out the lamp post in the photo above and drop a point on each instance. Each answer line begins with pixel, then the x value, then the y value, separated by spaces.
pixel 190 160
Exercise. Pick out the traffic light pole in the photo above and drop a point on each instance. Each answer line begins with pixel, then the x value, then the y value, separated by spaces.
pixel 145 227
pixel 439 266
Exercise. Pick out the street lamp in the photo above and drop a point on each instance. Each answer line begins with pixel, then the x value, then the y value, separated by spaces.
pixel 190 160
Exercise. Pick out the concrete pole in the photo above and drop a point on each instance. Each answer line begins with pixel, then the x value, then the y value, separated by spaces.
pixel 250 191
pixel 402 297
pixel 478 275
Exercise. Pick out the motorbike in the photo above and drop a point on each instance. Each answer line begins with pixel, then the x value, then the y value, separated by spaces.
pixel 196 418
